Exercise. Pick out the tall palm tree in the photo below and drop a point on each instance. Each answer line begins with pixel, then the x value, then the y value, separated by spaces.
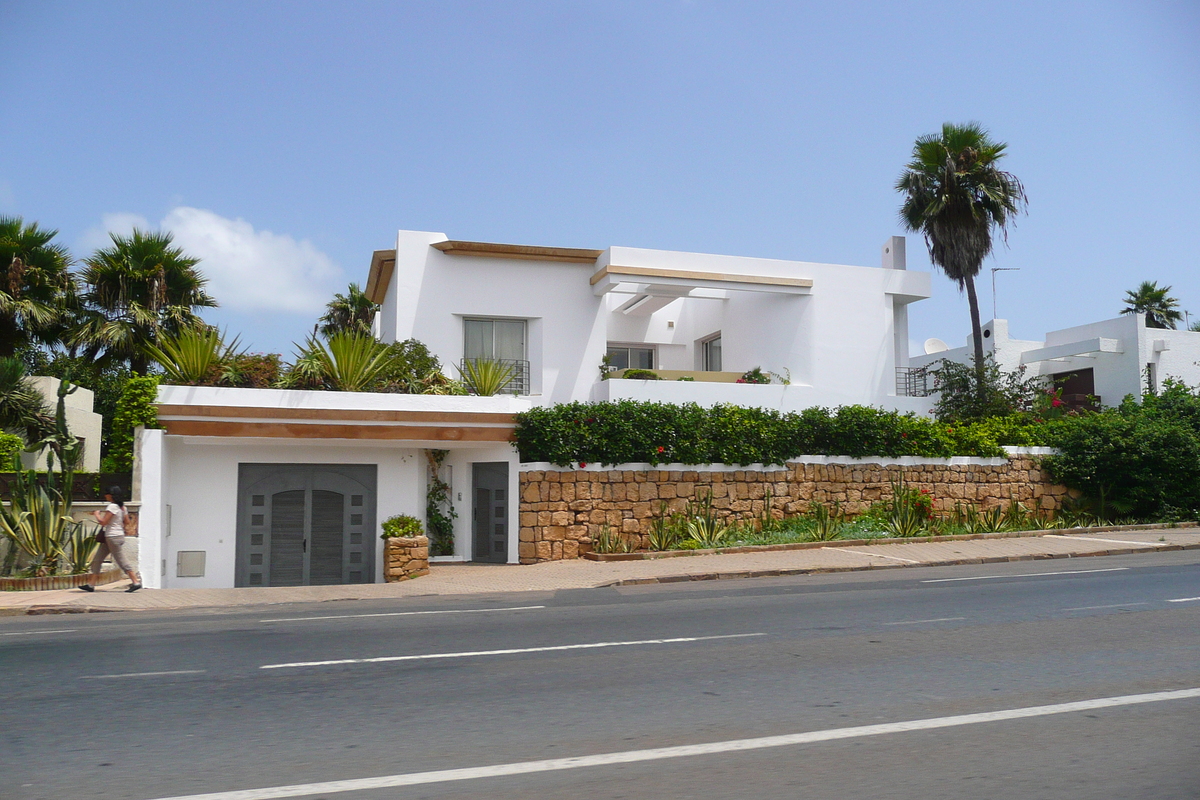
pixel 135 291
pixel 1161 310
pixel 352 312
pixel 36 287
pixel 957 196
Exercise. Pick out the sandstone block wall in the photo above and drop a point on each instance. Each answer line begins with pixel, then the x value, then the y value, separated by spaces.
pixel 405 557
pixel 562 510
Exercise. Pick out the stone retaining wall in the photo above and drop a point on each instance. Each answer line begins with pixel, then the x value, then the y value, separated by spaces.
pixel 561 510
pixel 405 557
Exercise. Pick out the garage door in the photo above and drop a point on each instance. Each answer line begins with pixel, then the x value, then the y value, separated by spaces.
pixel 305 524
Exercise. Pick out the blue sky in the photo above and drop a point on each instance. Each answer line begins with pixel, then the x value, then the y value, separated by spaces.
pixel 284 141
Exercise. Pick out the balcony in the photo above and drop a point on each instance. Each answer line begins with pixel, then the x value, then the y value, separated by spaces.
pixel 914 382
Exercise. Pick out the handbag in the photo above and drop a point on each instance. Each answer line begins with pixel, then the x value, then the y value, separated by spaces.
pixel 100 535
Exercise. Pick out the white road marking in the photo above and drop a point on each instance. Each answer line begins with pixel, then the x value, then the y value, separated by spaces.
pixel 919 621
pixel 405 613
pixel 1114 605
pixel 711 748
pixel 589 646
pixel 147 674
pixel 1026 575
pixel 1184 600
pixel 869 553
pixel 47 630
pixel 1109 541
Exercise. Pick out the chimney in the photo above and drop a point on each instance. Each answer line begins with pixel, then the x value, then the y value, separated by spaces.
pixel 893 253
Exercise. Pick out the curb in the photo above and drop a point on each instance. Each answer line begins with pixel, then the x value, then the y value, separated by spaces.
pixel 651 555
pixel 781 573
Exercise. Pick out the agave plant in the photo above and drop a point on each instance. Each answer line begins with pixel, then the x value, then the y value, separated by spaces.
pixel 191 356
pixel 610 541
pixel 703 526
pixel 827 523
pixel 346 361
pixel 665 530
pixel 82 539
pixel 37 522
pixel 486 376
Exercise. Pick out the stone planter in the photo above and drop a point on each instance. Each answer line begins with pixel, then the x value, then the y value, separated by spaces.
pixel 405 557
pixel 56 581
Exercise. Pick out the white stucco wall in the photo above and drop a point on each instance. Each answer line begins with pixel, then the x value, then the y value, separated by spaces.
pixel 81 422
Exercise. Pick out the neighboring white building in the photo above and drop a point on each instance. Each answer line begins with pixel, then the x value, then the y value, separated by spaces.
pixel 838 332
pixel 82 422
pixel 1108 359
pixel 261 487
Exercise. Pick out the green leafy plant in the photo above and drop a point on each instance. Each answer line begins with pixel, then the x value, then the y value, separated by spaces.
pixel 703 525
pixel 755 375
pixel 401 526
pixel 194 355
pixel 349 361
pixel 640 375
pixel 827 522
pixel 666 529
pixel 10 446
pixel 135 408
pixel 486 376
pixel 1004 393
pixel 611 541
pixel 439 510
pixel 909 512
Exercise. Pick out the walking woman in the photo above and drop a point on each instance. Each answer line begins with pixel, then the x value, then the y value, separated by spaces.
pixel 112 520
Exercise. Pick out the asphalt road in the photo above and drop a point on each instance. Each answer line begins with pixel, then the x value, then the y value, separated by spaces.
pixel 147 706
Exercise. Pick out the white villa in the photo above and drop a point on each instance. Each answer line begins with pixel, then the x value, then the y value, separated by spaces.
pixel 262 487
pixel 1106 360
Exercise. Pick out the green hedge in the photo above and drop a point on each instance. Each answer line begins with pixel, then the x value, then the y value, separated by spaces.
pixel 660 433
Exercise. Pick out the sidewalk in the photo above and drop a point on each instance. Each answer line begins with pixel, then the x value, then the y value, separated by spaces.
pixel 464 579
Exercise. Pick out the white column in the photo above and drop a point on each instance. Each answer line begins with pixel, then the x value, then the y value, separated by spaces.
pixel 149 490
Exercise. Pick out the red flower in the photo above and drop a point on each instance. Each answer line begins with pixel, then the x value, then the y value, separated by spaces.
pixel 904 436
pixel 660 449
pixel 1056 403
pixel 582 464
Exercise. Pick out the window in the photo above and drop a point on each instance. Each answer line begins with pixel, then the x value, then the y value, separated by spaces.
pixel 502 340
pixel 621 357
pixel 712 354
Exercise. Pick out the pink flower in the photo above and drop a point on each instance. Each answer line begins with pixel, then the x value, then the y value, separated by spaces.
pixel 1056 403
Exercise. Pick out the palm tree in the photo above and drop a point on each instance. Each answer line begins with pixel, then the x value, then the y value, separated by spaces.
pixel 135 291
pixel 956 195
pixel 23 410
pixel 36 287
pixel 1161 310
pixel 352 312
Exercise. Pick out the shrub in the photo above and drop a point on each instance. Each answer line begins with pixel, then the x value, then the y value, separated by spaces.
pixel 631 431
pixel 402 525
pixel 10 446
pixel 1005 393
pixel 755 375
pixel 640 375
pixel 136 407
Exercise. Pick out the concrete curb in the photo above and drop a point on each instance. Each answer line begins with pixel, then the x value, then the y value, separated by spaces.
pixel 780 573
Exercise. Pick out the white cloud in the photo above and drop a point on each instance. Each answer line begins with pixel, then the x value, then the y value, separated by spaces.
pixel 98 235
pixel 247 270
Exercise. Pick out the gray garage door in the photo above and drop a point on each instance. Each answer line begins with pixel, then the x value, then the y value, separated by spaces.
pixel 305 524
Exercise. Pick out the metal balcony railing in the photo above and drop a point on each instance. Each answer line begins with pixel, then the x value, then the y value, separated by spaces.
pixel 517 384
pixel 913 382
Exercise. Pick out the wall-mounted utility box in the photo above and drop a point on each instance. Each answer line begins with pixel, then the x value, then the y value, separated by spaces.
pixel 189 564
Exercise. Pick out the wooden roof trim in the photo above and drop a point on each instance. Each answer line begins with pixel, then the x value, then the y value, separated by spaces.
pixel 292 430
pixel 571 255
pixel 725 277
pixel 461 418
pixel 383 264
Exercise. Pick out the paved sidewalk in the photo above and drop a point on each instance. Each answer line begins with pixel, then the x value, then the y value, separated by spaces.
pixel 464 579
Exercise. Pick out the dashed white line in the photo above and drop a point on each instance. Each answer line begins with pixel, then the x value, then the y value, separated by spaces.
pixel 1025 575
pixel 1114 605
pixel 511 651
pixel 32 633
pixel 405 613
pixel 658 754
pixel 919 621
pixel 146 674
pixel 1184 600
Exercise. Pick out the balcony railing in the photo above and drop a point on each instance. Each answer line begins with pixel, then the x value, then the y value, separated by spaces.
pixel 518 383
pixel 913 382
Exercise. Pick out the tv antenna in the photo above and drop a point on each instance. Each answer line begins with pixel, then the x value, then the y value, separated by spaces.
pixel 994 271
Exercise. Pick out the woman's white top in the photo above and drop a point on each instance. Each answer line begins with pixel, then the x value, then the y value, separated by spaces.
pixel 116 523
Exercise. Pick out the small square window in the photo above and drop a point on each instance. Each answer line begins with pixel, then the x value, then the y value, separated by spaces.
pixel 258 500
pixel 356 499
pixel 356 577
pixel 256 519
pixel 256 539
pixel 356 558
pixel 256 579
pixel 356 538
pixel 356 519
pixel 256 559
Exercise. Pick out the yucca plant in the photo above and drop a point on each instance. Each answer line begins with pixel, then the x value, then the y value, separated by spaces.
pixel 486 376
pixel 82 539
pixel 193 354
pixel 908 513
pixel 348 361
pixel 665 530
pixel 703 526
pixel 610 541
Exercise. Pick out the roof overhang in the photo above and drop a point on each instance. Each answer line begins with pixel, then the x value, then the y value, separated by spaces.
pixel 570 255
pixel 1083 349
pixel 644 280
pixel 383 264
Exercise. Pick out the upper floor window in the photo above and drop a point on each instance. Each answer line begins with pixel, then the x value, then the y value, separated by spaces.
pixel 501 340
pixel 712 354
pixel 622 357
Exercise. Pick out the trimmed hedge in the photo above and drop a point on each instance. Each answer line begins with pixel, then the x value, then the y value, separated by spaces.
pixel 661 433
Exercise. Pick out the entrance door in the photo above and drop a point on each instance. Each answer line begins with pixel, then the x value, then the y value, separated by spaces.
pixel 489 484
pixel 305 524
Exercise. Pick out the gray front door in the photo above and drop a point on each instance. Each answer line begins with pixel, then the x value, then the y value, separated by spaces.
pixel 489 484
pixel 305 524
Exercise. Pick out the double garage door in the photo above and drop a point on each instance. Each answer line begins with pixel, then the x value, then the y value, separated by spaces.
pixel 305 524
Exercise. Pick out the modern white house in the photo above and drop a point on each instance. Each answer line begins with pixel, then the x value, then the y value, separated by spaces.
pixel 262 487
pixel 1107 360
